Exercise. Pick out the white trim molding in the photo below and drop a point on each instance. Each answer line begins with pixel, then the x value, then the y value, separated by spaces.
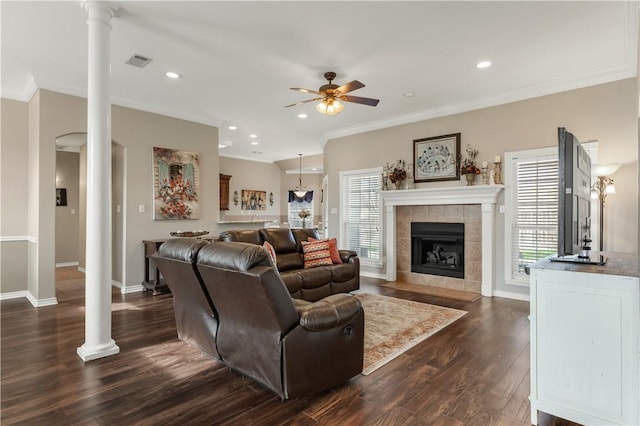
pixel 39 303
pixel 511 295
pixel 12 238
pixel 65 264
pixel 485 195
pixel 13 295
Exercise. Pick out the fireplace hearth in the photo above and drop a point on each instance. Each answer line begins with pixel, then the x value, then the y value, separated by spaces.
pixel 437 248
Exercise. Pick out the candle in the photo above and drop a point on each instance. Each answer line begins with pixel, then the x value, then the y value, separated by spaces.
pixel 497 160
pixel 484 164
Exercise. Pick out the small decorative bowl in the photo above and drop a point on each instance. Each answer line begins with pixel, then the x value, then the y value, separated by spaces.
pixel 187 234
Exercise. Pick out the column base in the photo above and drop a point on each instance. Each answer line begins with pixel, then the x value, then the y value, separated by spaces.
pixel 89 353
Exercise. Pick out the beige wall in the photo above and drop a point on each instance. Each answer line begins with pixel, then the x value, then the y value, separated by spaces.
pixel 53 114
pixel 251 175
pixel 605 112
pixel 68 177
pixel 312 181
pixel 14 139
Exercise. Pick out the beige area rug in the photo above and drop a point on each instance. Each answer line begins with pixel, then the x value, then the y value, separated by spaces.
pixel 393 326
pixel 447 293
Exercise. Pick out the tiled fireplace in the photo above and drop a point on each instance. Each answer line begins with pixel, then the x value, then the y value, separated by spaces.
pixel 469 274
pixel 473 207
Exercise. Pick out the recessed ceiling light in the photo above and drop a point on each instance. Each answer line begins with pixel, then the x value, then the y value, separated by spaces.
pixel 302 115
pixel 172 74
pixel 483 64
pixel 232 127
pixel 408 94
pixel 254 143
pixel 256 152
pixel 253 136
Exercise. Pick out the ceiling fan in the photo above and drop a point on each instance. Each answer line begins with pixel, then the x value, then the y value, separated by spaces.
pixel 332 93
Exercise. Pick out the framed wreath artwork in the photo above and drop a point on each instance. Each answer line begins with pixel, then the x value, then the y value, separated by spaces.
pixel 436 158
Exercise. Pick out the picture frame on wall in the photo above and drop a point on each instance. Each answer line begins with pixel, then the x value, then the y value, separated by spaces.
pixel 436 158
pixel 61 196
pixel 176 184
pixel 254 200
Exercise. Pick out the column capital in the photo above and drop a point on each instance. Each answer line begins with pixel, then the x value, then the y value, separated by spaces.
pixel 99 9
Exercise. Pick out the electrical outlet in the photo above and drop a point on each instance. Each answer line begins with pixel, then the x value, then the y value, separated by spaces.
pixel 118 208
pixel 73 211
pixel 501 209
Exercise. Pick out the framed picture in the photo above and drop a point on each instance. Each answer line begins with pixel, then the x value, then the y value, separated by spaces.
pixel 61 196
pixel 254 200
pixel 436 158
pixel 176 184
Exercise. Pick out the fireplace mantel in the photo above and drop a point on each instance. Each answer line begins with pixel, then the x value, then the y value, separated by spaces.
pixel 485 195
pixel 473 194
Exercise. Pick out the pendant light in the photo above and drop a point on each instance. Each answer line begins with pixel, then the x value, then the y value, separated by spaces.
pixel 300 190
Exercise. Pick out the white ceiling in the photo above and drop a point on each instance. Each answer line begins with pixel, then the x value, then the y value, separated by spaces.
pixel 239 59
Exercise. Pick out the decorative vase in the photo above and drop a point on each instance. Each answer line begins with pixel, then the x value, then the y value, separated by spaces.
pixel 398 184
pixel 304 223
pixel 470 177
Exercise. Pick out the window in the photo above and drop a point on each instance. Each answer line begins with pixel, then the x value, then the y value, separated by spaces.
pixel 361 224
pixel 532 216
pixel 295 207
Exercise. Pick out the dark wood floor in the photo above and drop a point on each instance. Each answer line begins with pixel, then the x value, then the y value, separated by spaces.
pixel 475 371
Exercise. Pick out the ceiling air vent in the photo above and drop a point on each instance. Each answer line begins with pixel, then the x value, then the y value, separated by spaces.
pixel 138 61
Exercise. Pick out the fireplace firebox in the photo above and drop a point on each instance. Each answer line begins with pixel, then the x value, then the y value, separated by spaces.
pixel 437 248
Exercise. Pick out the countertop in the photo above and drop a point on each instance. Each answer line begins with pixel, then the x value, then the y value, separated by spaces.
pixel 620 264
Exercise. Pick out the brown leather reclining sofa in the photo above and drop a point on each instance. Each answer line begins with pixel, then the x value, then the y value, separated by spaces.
pixel 307 284
pixel 230 301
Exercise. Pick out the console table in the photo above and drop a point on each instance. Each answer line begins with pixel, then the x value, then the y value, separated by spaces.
pixel 157 285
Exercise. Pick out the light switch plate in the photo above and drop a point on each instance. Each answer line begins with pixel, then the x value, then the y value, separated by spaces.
pixel 141 208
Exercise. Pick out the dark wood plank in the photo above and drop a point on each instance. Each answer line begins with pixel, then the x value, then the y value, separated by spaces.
pixel 476 371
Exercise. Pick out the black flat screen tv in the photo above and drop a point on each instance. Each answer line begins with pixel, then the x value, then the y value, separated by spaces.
pixel 574 195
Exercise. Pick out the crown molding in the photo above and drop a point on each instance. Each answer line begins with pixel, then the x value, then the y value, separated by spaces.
pixel 520 94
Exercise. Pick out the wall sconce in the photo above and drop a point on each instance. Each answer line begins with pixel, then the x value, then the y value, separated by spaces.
pixel 271 198
pixel 235 198
pixel 602 187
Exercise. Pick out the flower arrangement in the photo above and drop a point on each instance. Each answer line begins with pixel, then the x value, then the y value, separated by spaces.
pixel 174 192
pixel 303 214
pixel 398 172
pixel 468 165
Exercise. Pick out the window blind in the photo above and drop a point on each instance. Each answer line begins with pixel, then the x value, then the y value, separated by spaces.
pixel 361 214
pixel 534 218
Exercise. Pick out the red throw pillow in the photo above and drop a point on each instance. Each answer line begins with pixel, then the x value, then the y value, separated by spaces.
pixel 316 254
pixel 272 253
pixel 333 249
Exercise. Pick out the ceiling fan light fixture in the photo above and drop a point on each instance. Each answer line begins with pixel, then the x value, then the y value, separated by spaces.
pixel 330 107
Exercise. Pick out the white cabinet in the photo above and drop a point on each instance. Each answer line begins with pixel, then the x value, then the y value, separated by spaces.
pixel 584 341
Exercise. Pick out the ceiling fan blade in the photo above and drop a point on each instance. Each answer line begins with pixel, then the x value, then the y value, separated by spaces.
pixel 304 102
pixel 350 87
pixel 360 100
pixel 299 89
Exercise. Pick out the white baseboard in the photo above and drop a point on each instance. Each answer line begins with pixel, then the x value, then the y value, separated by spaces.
pixel 127 289
pixel 511 295
pixel 65 264
pixel 13 295
pixel 131 289
pixel 36 303
pixel 39 303
pixel 373 275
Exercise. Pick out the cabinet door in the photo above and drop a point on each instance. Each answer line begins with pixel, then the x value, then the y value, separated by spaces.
pixel 224 191
pixel 586 334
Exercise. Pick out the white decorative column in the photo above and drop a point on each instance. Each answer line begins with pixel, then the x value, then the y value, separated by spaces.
pixel 98 342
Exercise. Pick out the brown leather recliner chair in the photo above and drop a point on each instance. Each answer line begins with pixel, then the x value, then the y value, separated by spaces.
pixel 196 317
pixel 295 349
